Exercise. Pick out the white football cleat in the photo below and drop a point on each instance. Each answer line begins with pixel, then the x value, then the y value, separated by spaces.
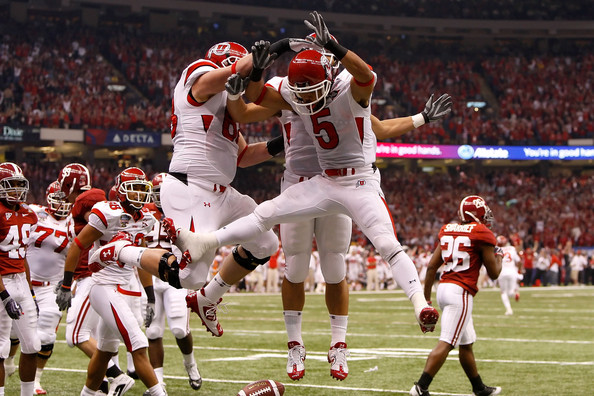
pixel 337 357
pixel 120 385
pixel 296 361
pixel 194 377
pixel 194 243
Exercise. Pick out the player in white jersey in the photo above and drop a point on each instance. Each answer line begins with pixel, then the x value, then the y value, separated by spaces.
pixel 46 253
pixel 169 303
pixel 336 114
pixel 510 273
pixel 118 321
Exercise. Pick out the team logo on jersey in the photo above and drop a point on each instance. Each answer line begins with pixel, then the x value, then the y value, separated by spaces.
pixel 360 183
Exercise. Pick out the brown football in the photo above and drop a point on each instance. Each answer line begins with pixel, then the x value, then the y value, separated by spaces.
pixel 263 388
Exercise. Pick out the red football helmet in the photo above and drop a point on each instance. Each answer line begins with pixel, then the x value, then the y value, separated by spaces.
pixel 156 182
pixel 74 178
pixel 474 208
pixel 310 81
pixel 334 62
pixel 13 184
pixel 113 194
pixel 133 187
pixel 56 204
pixel 226 53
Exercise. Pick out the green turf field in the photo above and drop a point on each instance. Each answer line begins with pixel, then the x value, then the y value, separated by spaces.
pixel 545 348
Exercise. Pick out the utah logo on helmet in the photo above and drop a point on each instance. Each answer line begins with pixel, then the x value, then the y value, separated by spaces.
pixel 13 184
pixel 226 53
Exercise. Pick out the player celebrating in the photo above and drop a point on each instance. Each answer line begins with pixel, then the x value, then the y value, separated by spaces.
pixel 117 320
pixel 169 303
pixel 46 253
pixel 510 274
pixel 463 248
pixel 18 303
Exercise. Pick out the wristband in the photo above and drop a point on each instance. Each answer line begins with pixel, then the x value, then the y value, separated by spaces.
pixel 233 97
pixel 234 67
pixel 280 47
pixel 4 294
pixel 81 247
pixel 150 294
pixel 338 50
pixel 418 120
pixel 276 145
pixel 67 281
pixel 364 84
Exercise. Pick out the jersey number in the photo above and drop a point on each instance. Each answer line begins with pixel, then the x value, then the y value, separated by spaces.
pixel 14 240
pixel 46 232
pixel 454 258
pixel 325 131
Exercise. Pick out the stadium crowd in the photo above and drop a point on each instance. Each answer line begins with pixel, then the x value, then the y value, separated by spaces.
pixel 123 77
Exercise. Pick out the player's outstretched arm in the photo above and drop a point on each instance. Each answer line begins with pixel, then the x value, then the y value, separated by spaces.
pixel 434 264
pixel 213 82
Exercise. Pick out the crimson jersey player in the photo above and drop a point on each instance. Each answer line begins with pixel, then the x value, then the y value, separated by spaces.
pixel 18 302
pixel 463 249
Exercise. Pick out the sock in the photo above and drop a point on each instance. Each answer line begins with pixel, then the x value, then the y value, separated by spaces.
pixel 506 302
pixel 27 388
pixel 425 380
pixel 85 392
pixel 112 370
pixel 405 274
pixel 131 255
pixel 419 302
pixel 130 362
pixel 9 361
pixel 104 387
pixel 159 374
pixel 338 326
pixel 241 230
pixel 115 360
pixel 293 325
pixel 38 374
pixel 156 390
pixel 216 288
pixel 1 391
pixel 189 359
pixel 477 384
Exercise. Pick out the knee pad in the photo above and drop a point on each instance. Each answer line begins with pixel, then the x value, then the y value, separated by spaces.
pixel 250 262
pixel 154 331
pixel 297 267
pixel 46 351
pixel 169 273
pixel 333 266
pixel 178 333
pixel 387 247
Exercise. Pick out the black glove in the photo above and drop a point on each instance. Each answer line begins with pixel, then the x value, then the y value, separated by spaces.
pixel 35 301
pixel 261 59
pixel 236 85
pixel 13 308
pixel 150 314
pixel 437 110
pixel 63 297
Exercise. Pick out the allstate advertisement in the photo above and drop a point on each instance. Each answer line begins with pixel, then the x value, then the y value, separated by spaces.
pixel 467 152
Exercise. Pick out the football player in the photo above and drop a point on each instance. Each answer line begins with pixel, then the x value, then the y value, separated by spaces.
pixel 463 249
pixel 169 303
pixel 81 319
pixel 46 253
pixel 106 292
pixel 510 273
pixel 336 114
pixel 16 292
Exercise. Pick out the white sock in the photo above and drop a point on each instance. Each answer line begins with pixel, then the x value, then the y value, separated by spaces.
pixel 338 326
pixel 405 274
pixel 216 288
pixel 506 302
pixel 38 374
pixel 1 391
pixel 130 362
pixel 419 302
pixel 157 390
pixel 86 392
pixel 241 230
pixel 27 388
pixel 293 325
pixel 9 361
pixel 131 255
pixel 189 358
pixel 159 374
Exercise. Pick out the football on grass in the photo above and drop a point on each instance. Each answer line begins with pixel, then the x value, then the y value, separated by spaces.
pixel 263 388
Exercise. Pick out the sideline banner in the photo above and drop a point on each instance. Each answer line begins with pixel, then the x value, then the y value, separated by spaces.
pixel 111 138
pixel 467 152
pixel 9 133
